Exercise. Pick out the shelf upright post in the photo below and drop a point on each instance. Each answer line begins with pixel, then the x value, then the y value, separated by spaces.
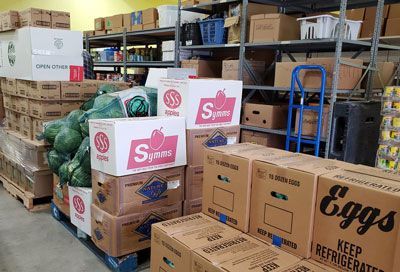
pixel 242 49
pixel 374 48
pixel 87 45
pixel 124 54
pixel 336 69
pixel 178 35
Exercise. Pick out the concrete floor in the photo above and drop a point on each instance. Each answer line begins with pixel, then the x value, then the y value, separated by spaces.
pixel 37 242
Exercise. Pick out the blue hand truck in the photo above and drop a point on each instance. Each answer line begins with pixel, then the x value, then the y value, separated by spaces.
pixel 301 107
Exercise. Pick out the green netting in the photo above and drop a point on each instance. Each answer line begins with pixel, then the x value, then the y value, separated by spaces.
pixel 67 140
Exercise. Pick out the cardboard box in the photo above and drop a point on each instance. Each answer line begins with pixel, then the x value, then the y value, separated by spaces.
pixel 273 27
pixel 392 28
pixel 60 20
pixel 70 90
pixel 138 192
pixel 42 54
pixel 44 90
pixel 112 22
pixel 45 109
pixel 46 18
pixel 37 128
pixel 67 107
pixel 368 27
pixel 100 32
pixel 265 116
pixel 137 27
pixel 60 196
pixel 348 76
pixel 309 123
pixel 230 70
pixel 2 109
pixel 127 20
pixel 204 68
pixel 32 17
pixel 386 70
pixel 227 182
pixel 149 16
pixel 198 139
pixel 158 143
pixel 22 88
pixel 173 240
pixel 149 26
pixel 283 73
pixel 26 126
pixel 11 86
pixel 310 266
pixel 35 154
pixel 394 11
pixel 81 199
pixel 357 219
pixel 118 236
pixel 39 182
pixel 8 114
pixel 7 101
pixel 23 105
pixel 194 182
pixel 10 20
pixel 370 12
pixel 240 253
pixel 203 102
pixel 261 138
pixel 283 200
pixel 88 33
pixel 355 14
pixel 88 89
pixel 192 206
pixel 99 24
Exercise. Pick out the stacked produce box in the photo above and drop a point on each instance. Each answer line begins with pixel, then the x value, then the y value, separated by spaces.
pixel 212 112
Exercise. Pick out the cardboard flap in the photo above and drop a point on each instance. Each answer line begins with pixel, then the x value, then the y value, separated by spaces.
pixel 231 21
pixel 257 17
pixel 273 16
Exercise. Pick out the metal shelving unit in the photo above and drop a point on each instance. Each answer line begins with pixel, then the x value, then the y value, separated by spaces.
pixel 124 39
pixel 336 45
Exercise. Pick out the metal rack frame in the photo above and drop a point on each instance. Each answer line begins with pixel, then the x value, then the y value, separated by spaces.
pixel 337 45
pixel 131 38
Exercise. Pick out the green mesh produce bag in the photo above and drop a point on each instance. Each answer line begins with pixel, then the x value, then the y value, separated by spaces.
pixel 67 140
pixel 56 159
pixel 103 89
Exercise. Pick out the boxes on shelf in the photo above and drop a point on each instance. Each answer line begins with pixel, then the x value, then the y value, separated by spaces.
pixel 394 11
pixel 39 182
pixel 137 27
pixel 67 107
pixel 386 71
pixel 114 21
pixel 122 235
pixel 192 206
pixel 60 196
pixel 100 32
pixel 149 16
pixel 261 138
pixel 136 17
pixel 309 122
pixel 356 240
pixel 194 182
pixel 175 239
pixel 23 87
pixel 79 210
pixel 10 20
pixel 265 116
pixel 60 20
pixel 42 54
pixel 11 86
pixel 45 109
pixel 34 17
pixel 273 27
pixel 230 70
pixel 227 182
pixel 26 126
pixel 44 90
pixel 392 28
pixel 349 76
pixel 368 27
pixel 198 139
pixel 99 24
pixel 203 102
pixel 138 192
pixel 127 21
pixel 70 90
pixel 88 33
pixel 283 73
pixel 158 143
pixel 88 89
pixel 204 68
pixel 282 213
pixel 355 14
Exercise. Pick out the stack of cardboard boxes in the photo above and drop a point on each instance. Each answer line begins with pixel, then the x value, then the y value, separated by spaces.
pixel 212 112
pixel 307 206
pixel 12 19
pixel 137 179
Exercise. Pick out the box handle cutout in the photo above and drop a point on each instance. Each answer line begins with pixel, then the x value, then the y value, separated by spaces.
pixel 224 179
pixel 168 262
pixel 256 112
pixel 279 196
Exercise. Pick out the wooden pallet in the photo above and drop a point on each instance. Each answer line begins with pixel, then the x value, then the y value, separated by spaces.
pixel 30 202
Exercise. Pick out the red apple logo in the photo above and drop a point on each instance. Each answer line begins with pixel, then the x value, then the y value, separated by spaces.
pixel 101 142
pixel 157 139
pixel 79 205
pixel 220 99
pixel 172 99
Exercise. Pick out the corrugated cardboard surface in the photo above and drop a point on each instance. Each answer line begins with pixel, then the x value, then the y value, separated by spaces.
pixel 392 27
pixel 394 11
pixel 204 68
pixel 138 192
pixel 60 196
pixel 357 222
pixel 265 116
pixel 309 122
pixel 261 138
pixel 192 206
pixel 283 73
pixel 122 235
pixel 194 182
pixel 230 70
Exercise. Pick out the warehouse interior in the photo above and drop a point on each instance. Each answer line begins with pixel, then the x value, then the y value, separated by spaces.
pixel 200 135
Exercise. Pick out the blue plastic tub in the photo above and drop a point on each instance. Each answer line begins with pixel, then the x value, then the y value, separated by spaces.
pixel 212 31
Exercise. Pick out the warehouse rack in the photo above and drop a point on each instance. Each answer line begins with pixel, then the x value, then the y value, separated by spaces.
pixel 337 45
pixel 131 38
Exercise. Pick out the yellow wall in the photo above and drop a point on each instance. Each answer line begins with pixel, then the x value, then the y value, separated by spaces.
pixel 83 12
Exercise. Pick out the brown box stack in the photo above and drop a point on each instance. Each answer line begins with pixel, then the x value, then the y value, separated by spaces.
pixel 204 68
pixel 35 17
pixel 149 18
pixel 393 21
pixel 60 19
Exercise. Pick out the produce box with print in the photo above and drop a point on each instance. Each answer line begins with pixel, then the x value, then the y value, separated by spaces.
pixel 81 199
pixel 133 145
pixel 203 102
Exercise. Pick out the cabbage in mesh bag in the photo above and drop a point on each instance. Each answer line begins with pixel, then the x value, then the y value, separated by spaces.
pixel 103 89
pixel 51 129
pixel 56 159
pixel 67 140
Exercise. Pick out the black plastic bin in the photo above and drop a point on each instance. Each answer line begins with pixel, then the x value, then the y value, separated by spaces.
pixel 355 132
pixel 191 34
